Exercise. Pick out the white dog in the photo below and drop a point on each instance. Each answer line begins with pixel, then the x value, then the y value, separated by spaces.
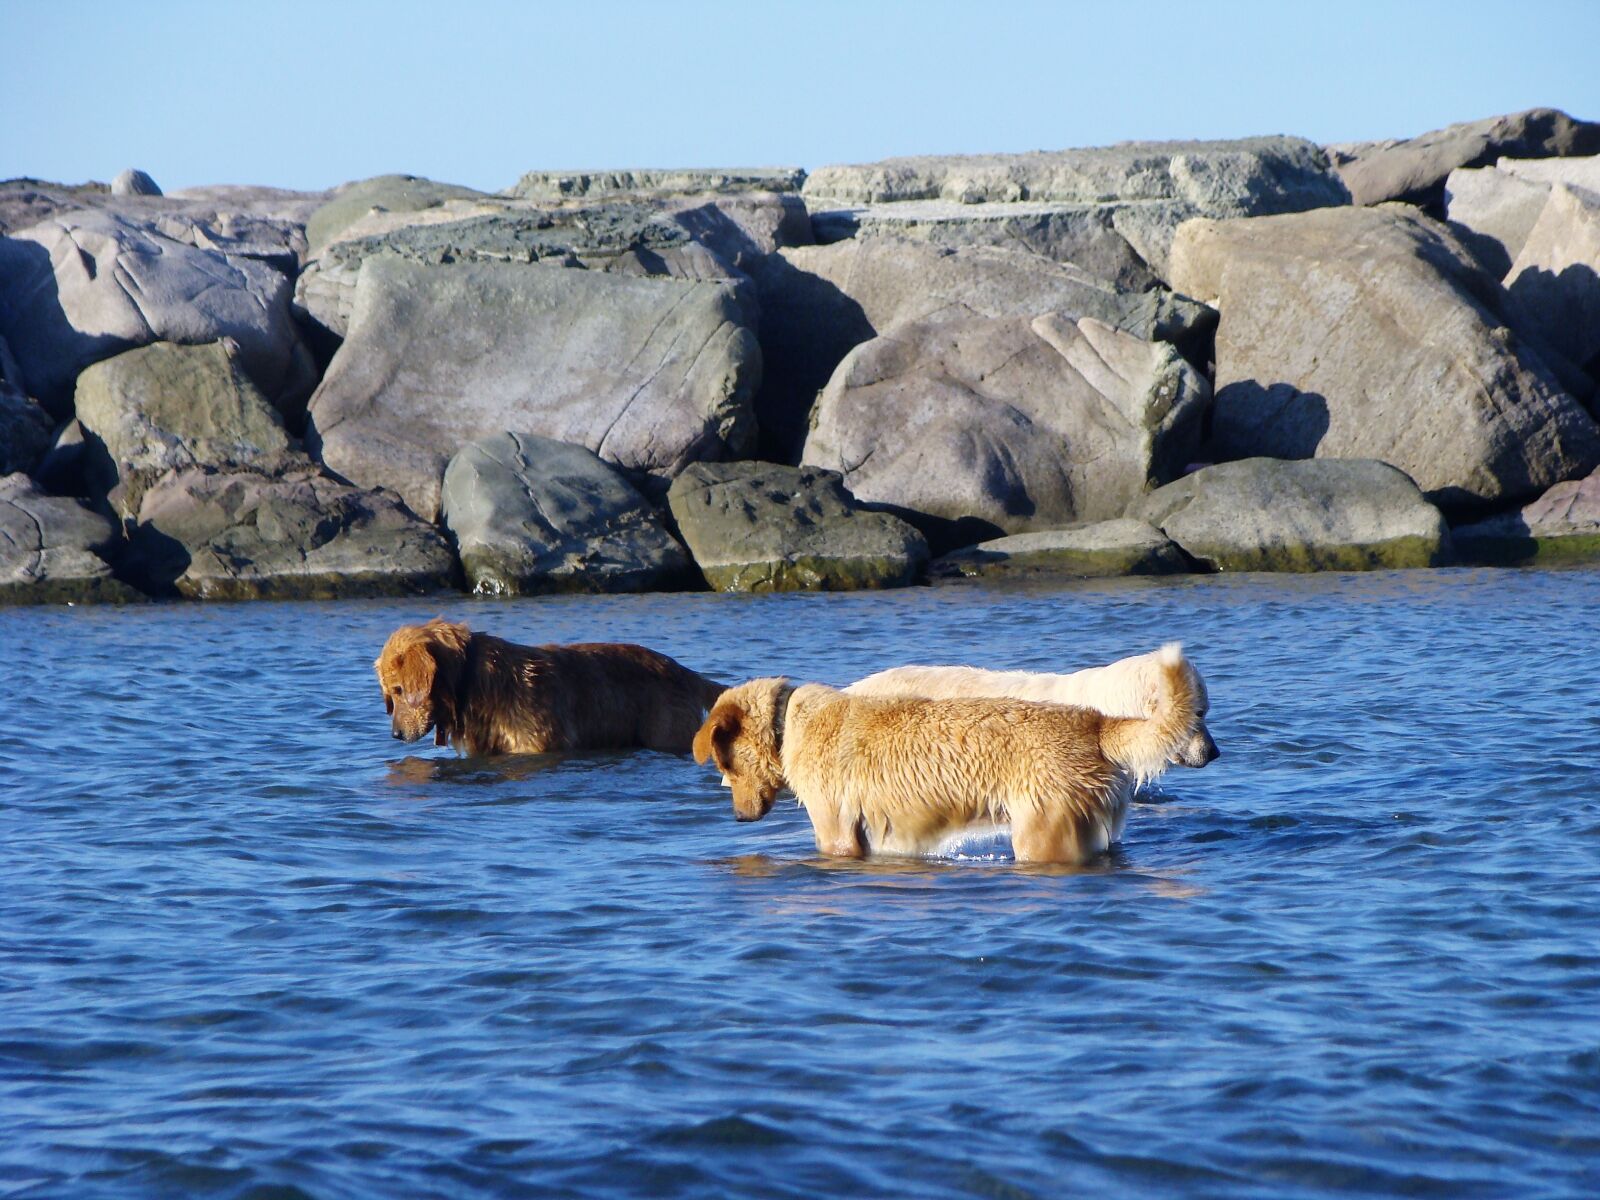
pixel 1126 688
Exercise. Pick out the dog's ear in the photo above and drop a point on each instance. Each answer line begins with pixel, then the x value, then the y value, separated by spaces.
pixel 388 704
pixel 447 646
pixel 715 739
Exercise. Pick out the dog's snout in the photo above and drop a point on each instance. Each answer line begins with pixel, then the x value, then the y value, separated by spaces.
pixel 1212 753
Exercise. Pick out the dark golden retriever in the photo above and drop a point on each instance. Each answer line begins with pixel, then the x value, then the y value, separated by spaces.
pixel 485 695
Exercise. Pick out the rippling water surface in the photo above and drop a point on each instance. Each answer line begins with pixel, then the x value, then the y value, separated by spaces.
pixel 250 946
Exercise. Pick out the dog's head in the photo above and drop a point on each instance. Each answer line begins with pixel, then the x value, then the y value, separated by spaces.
pixel 420 672
pixel 1198 748
pixel 741 737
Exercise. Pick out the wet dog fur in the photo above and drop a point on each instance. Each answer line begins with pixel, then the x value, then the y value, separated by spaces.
pixel 1125 688
pixel 909 776
pixel 485 695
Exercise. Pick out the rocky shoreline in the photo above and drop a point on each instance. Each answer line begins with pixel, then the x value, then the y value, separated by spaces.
pixel 1148 358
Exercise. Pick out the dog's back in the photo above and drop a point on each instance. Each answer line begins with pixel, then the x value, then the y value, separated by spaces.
pixel 1125 688
pixel 516 699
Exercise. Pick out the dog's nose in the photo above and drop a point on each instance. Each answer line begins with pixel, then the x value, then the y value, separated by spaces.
pixel 1212 753
pixel 397 735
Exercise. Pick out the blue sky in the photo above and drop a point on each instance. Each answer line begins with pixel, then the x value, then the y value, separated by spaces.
pixel 310 94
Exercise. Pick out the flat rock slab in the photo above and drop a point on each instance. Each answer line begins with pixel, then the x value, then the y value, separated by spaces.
pixel 566 185
pixel 1100 550
pixel 1265 514
pixel 976 427
pixel 819 302
pixel 1085 235
pixel 1143 191
pixel 631 238
pixel 649 373
pixel 298 535
pixel 760 527
pixel 86 285
pixel 385 193
pixel 54 550
pixel 533 515
pixel 1415 169
pixel 164 407
pixel 1372 333
pixel 1563 525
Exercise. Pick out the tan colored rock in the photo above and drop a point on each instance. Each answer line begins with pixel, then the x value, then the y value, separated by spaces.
pixel 1372 333
pixel 1556 274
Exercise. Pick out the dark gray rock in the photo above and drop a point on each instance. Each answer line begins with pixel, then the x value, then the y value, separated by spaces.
pixel 1093 551
pixel 973 427
pixel 26 431
pixel 1415 169
pixel 1264 514
pixel 819 302
pixel 296 535
pixel 761 527
pixel 89 284
pixel 589 185
pixel 1372 333
pixel 649 373
pixel 165 407
pixel 54 550
pixel 534 515
pixel 1563 525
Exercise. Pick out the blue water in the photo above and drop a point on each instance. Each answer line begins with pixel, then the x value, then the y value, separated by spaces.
pixel 252 947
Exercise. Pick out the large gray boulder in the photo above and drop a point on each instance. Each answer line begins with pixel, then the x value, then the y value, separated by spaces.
pixel 1563 525
pixel 89 284
pixel 383 193
pixel 134 182
pixel 1415 169
pixel 1097 550
pixel 1556 274
pixel 649 373
pixel 630 238
pixel 1107 208
pixel 762 527
pixel 819 302
pixel 1265 514
pixel 1493 211
pixel 247 535
pixel 1371 333
pixel 1085 235
pixel 54 550
pixel 534 515
pixel 164 407
pixel 590 185
pixel 976 426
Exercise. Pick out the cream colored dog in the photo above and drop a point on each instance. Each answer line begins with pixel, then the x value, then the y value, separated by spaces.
pixel 900 775
pixel 1125 688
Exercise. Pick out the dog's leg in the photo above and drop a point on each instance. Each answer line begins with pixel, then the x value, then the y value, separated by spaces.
pixel 1044 837
pixel 836 836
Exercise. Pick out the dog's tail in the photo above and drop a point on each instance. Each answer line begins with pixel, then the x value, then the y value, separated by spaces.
pixel 1145 745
